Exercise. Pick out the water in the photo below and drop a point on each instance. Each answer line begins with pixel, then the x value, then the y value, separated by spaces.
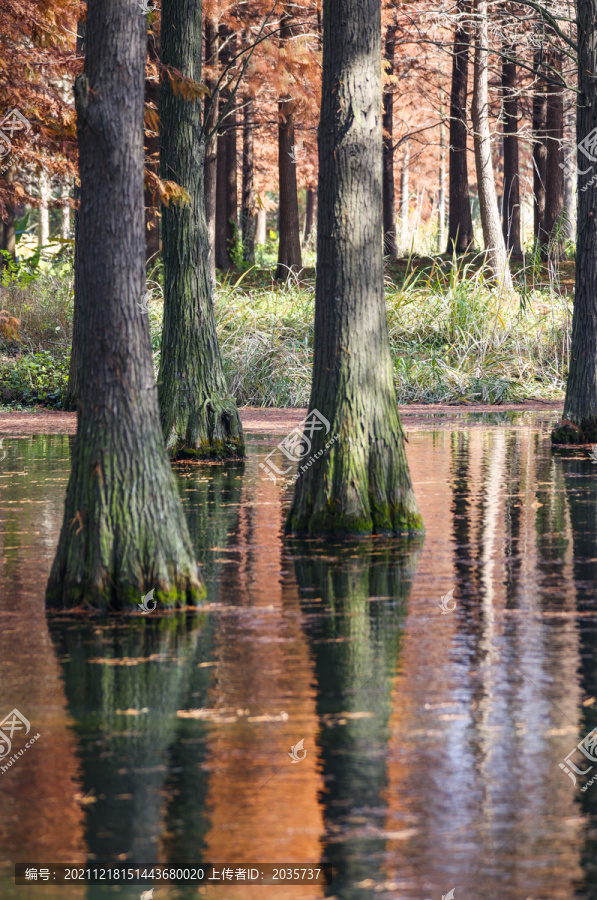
pixel 433 741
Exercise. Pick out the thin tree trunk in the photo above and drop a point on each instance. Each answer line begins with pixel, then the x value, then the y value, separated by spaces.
pixel 361 483
pixel 554 165
pixel 511 202
pixel 65 210
pixel 539 151
pixel 460 226
pixel 211 149
pixel 198 418
pixel 231 180
pixel 248 197
pixel 152 162
pixel 580 407
pixel 223 260
pixel 124 531
pixel 7 230
pixel 405 197
pixel 261 231
pixel 441 200
pixel 226 197
pixel 289 247
pixel 309 214
pixel 43 232
pixel 495 248
pixel 389 193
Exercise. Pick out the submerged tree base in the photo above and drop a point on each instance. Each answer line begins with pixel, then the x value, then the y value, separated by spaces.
pixel 566 432
pixel 212 431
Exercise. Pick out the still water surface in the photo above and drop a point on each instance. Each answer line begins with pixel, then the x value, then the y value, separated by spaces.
pixel 433 740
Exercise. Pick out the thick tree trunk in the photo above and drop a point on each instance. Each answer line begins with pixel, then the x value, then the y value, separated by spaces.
pixel 248 196
pixel 361 483
pixel 289 247
pixel 554 165
pixel 580 407
pixel 511 201
pixel 460 227
pixel 198 418
pixel 495 248
pixel 389 193
pixel 124 531
pixel 539 151
pixel 71 395
pixel 43 231
pixel 211 147
pixel 309 214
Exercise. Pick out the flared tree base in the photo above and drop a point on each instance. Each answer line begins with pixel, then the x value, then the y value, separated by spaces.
pixel 213 431
pixel 567 432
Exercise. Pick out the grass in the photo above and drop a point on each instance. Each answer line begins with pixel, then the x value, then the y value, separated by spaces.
pixel 453 336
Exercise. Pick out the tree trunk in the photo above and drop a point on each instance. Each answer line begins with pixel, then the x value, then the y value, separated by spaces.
pixel 261 230
pixel 231 181
pixel 289 247
pixel 361 483
pixel 554 165
pixel 248 198
pixel 580 407
pixel 124 530
pixel 405 197
pixel 211 148
pixel 460 227
pixel 198 419
pixel 511 201
pixel 43 231
pixel 69 401
pixel 309 214
pixel 7 234
pixel 389 194
pixel 223 260
pixel 65 210
pixel 495 248
pixel 441 200
pixel 539 151
pixel 226 185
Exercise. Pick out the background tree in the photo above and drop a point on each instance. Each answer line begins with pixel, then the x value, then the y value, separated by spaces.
pixel 124 531
pixel 289 248
pixel 361 484
pixel 511 193
pixel 198 418
pixel 460 223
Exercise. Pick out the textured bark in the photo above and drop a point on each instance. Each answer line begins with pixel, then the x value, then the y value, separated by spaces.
pixel 580 407
pixel 226 182
pixel 124 531
pixel 309 214
pixel 231 180
pixel 441 198
pixel 539 151
pixel 460 226
pixel 248 195
pixel 289 247
pixel 511 201
pixel 72 392
pixel 554 164
pixel 211 148
pixel 389 193
pixel 198 418
pixel 404 197
pixel 222 255
pixel 361 483
pixel 495 248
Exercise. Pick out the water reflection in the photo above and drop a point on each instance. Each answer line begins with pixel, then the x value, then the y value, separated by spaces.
pixel 433 741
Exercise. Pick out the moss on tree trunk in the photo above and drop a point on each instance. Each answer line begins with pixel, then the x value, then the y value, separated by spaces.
pixel 124 531
pixel 360 484
pixel 198 417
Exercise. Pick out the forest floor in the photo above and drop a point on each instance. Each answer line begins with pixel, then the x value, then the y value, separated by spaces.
pixel 454 337
pixel 277 421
